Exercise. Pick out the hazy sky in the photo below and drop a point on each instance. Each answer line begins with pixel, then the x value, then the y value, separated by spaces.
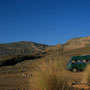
pixel 44 21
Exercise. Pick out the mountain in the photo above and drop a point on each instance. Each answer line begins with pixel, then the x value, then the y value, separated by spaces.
pixel 77 43
pixel 21 48
pixel 72 44
pixel 28 47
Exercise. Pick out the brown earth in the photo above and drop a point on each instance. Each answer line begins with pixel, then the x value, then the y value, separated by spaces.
pixel 20 81
pixel 17 77
pixel 14 81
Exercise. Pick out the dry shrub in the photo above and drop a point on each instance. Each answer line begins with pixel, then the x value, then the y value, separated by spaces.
pixel 49 75
pixel 86 77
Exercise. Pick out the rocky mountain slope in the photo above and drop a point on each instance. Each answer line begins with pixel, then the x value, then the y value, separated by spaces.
pixel 72 44
pixel 24 48
pixel 21 48
pixel 77 43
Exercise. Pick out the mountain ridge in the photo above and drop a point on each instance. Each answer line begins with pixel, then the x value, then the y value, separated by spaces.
pixel 77 43
pixel 21 48
pixel 29 47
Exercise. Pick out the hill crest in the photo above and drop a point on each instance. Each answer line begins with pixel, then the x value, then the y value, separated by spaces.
pixel 29 47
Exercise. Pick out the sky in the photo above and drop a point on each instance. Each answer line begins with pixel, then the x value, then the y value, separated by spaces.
pixel 44 21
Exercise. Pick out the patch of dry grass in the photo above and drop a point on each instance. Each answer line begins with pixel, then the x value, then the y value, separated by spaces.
pixel 86 77
pixel 49 75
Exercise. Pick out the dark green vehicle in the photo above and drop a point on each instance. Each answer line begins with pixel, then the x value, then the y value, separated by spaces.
pixel 78 63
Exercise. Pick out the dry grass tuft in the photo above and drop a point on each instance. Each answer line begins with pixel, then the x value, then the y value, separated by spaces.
pixel 49 75
pixel 86 77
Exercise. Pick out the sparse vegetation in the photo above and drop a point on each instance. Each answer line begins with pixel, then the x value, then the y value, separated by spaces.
pixel 49 75
pixel 49 71
pixel 86 77
pixel 21 48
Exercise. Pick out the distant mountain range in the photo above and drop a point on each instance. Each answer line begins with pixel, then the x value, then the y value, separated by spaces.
pixel 28 47
pixel 21 48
